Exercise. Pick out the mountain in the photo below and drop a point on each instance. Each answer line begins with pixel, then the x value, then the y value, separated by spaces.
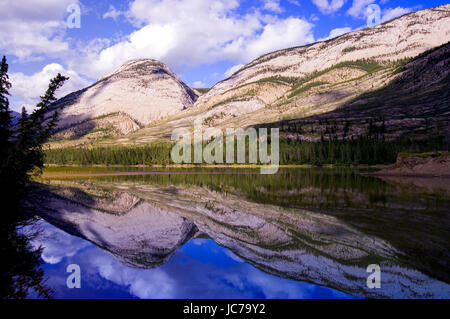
pixel 414 104
pixel 158 232
pixel 137 93
pixel 268 80
pixel 342 80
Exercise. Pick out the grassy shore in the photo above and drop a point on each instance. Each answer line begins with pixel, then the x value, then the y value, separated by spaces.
pixel 74 171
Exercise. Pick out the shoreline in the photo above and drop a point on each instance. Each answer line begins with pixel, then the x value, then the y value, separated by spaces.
pixel 415 175
pixel 430 165
pixel 381 173
pixel 128 173
pixel 377 166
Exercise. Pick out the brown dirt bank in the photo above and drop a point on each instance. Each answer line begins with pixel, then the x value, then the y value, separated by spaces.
pixel 427 165
pixel 125 173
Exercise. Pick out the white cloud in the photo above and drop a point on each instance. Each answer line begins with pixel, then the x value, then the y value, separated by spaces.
pixel 328 7
pixel 56 244
pixel 233 69
pixel 29 87
pixel 233 256
pixel 140 282
pixel 392 13
pixel 186 33
pixel 295 2
pixel 272 5
pixel 199 241
pixel 358 8
pixel 313 18
pixel 31 39
pixel 112 13
pixel 282 34
pixel 30 28
pixel 336 32
pixel 199 84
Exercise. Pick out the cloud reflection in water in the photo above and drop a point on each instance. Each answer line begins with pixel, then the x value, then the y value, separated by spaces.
pixel 199 269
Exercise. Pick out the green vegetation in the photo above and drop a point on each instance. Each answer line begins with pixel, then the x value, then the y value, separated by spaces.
pixel 279 80
pixel 425 155
pixel 21 148
pixel 224 102
pixel 115 155
pixel 305 88
pixel 362 150
pixel 203 90
pixel 370 66
pixel 400 65
pixel 21 157
pixel 349 49
pixel 146 66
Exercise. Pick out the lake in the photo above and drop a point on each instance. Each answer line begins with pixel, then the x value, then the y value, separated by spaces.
pixel 234 233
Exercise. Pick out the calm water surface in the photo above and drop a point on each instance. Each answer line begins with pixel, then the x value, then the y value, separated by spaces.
pixel 233 233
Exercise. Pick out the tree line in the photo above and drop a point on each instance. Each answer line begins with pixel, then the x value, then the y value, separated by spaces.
pixel 355 151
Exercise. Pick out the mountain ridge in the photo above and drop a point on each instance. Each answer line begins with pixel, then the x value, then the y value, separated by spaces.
pixel 301 82
pixel 141 90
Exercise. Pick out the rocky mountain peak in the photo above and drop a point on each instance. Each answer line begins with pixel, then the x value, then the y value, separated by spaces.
pixel 140 67
pixel 137 93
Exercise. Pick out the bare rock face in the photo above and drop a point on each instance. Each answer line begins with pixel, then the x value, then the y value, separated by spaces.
pixel 321 78
pixel 404 37
pixel 144 90
pixel 145 237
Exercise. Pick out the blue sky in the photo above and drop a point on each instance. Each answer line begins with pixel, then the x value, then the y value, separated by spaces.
pixel 202 41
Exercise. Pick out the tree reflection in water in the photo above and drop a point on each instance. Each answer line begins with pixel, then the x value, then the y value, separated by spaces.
pixel 21 272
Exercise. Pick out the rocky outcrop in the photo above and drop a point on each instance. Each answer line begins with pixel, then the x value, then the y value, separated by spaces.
pixel 433 164
pixel 413 102
pixel 143 89
pixel 405 37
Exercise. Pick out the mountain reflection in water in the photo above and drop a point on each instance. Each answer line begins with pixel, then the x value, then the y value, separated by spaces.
pixel 289 235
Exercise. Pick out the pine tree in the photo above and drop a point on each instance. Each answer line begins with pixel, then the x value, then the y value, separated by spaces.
pixel 22 148
pixel 21 152
pixel 5 113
